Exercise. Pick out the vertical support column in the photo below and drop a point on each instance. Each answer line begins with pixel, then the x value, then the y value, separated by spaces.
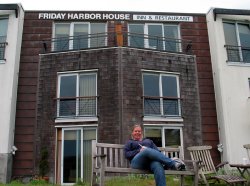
pixel 119 35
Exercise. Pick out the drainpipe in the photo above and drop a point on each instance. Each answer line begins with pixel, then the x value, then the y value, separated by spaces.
pixel 119 35
pixel 119 41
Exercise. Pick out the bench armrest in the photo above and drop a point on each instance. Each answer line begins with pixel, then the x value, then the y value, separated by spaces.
pixel 100 156
pixel 222 164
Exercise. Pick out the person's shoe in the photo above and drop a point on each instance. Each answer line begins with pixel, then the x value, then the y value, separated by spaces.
pixel 179 164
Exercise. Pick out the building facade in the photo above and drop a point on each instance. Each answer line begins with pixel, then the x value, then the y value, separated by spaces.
pixel 229 38
pixel 11 26
pixel 92 75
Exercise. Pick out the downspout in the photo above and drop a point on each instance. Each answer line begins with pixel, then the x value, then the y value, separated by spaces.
pixel 119 41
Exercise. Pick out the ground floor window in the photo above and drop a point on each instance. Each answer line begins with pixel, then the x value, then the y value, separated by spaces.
pixel 164 136
pixel 74 154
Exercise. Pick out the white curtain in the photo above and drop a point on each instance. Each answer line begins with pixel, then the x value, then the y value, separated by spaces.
pixel 87 88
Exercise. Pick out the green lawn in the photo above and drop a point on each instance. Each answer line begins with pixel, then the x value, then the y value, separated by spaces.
pixel 131 180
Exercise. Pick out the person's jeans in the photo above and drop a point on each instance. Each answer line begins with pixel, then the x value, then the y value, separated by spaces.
pixel 153 160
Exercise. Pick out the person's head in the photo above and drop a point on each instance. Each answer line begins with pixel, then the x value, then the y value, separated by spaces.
pixel 137 132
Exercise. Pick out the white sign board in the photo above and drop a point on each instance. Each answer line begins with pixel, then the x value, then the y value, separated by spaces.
pixel 168 18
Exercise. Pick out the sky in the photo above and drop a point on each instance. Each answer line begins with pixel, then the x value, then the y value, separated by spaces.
pixel 179 6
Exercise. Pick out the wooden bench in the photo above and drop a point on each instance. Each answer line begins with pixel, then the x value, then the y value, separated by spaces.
pixel 109 158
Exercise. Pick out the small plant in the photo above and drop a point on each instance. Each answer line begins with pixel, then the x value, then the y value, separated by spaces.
pixel 43 163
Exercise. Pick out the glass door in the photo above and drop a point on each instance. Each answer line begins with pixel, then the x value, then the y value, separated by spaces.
pixel 71 155
pixel 76 159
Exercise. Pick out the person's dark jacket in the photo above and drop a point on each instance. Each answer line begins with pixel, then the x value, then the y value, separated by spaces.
pixel 132 147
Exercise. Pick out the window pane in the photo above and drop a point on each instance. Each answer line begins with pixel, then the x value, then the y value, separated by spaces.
pixel 88 135
pixel 169 86
pixel 154 135
pixel 172 137
pixel 151 85
pixel 71 156
pixel 136 38
pixel 80 36
pixel 244 34
pixel 171 34
pixel 87 89
pixel 171 107
pixel 62 37
pixel 152 106
pixel 67 91
pixel 152 94
pixel 98 37
pixel 155 37
pixel 230 34
pixel 169 89
pixel 3 29
pixel 68 86
pixel 231 39
pixel 3 35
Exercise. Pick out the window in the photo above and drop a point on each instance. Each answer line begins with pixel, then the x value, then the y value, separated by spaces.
pixel 237 38
pixel 77 95
pixel 164 136
pixel 161 94
pixel 3 36
pixel 155 36
pixel 74 36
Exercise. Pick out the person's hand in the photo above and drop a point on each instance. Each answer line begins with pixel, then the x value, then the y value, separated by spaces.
pixel 142 148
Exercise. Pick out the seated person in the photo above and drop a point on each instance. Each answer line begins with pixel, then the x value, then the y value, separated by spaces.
pixel 144 154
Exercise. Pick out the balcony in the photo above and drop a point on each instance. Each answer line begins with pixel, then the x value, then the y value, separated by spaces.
pixel 238 54
pixel 117 39
pixel 162 106
pixel 2 50
pixel 76 107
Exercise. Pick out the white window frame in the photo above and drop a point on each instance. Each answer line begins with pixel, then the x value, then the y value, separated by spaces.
pixel 145 28
pixel 77 118
pixel 236 23
pixel 162 116
pixel 71 32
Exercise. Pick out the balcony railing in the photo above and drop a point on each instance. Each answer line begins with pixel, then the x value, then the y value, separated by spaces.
pixel 114 39
pixel 162 106
pixel 238 54
pixel 72 107
pixel 2 50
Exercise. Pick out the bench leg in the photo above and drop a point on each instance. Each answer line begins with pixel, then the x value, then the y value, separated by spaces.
pixel 182 180
pixel 102 177
pixel 94 179
pixel 196 180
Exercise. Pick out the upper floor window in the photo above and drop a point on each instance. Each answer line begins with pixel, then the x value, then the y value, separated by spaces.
pixel 71 36
pixel 77 94
pixel 3 36
pixel 155 36
pixel 161 94
pixel 237 37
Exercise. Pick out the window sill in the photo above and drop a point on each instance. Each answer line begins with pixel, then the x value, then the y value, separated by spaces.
pixel 231 63
pixel 152 118
pixel 78 119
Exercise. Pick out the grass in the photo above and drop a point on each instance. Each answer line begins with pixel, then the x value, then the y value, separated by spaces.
pixel 148 180
pixel 131 180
